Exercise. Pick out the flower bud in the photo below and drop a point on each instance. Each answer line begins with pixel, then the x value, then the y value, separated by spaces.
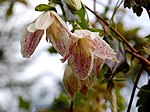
pixel 71 83
pixel 74 5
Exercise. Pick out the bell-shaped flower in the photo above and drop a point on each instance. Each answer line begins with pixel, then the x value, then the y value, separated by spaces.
pixel 55 33
pixel 84 46
pixel 73 85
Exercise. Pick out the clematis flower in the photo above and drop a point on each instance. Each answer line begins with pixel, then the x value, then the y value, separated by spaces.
pixel 55 33
pixel 84 47
pixel 73 85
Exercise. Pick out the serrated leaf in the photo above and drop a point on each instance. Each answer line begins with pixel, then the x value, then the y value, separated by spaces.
pixel 135 7
pixel 129 3
pixel 138 10
pixel 144 98
pixel 44 7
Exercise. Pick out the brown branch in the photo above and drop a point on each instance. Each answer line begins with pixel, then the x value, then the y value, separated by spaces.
pixel 94 5
pixel 113 29
pixel 71 107
pixel 134 89
pixel 142 59
pixel 133 50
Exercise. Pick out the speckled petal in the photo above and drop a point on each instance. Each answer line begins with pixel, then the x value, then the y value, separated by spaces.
pixel 103 50
pixel 58 37
pixel 85 85
pixel 59 19
pixel 80 62
pixel 29 42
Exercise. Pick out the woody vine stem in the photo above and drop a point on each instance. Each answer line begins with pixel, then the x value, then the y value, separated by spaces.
pixel 132 51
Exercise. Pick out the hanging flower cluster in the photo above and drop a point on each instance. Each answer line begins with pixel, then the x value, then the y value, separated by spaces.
pixel 51 23
pixel 85 51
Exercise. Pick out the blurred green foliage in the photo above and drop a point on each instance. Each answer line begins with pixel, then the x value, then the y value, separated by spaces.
pixel 10 6
pixel 144 98
pixel 97 100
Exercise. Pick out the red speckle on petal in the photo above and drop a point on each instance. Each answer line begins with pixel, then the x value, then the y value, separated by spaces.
pixel 81 63
pixel 103 50
pixel 29 42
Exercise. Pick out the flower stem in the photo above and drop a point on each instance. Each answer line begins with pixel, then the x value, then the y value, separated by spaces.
pixel 133 50
pixel 71 107
pixel 113 29
pixel 134 89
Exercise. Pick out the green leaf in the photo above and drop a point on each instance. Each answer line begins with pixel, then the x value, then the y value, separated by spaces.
pixel 60 103
pixel 101 32
pixel 82 22
pixel 52 50
pixel 23 104
pixel 135 7
pixel 44 7
pixel 2 1
pixel 138 10
pixel 10 10
pixel 129 3
pixel 22 1
pixel 144 98
pixel 57 1
pixel 148 38
pixel 146 50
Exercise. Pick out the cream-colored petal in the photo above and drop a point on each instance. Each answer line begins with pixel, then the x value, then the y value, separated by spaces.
pixel 44 21
pixel 59 19
pixel 103 50
pixel 31 28
pixel 29 42
pixel 81 62
pixel 85 33
pixel 58 37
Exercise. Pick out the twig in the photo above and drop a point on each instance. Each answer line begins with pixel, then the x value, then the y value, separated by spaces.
pixel 146 61
pixel 113 29
pixel 133 50
pixel 134 89
pixel 71 107
pixel 94 5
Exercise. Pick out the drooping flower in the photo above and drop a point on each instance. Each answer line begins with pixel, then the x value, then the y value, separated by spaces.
pixel 55 33
pixel 73 85
pixel 84 46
